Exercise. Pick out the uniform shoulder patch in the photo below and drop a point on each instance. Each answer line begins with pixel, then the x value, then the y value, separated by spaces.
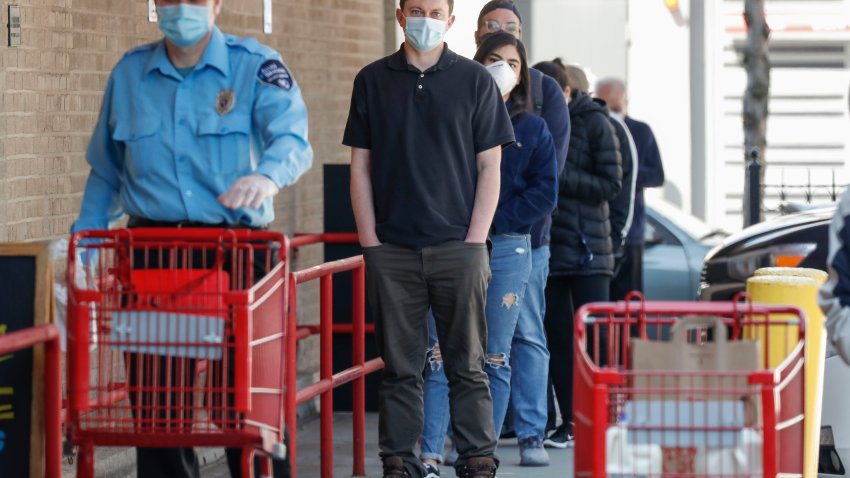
pixel 274 73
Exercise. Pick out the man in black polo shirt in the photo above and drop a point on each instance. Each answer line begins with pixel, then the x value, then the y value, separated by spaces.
pixel 426 128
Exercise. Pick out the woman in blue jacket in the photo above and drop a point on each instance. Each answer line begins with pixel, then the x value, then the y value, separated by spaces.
pixel 528 193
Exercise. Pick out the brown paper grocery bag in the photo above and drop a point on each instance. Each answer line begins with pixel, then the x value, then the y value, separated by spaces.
pixel 668 380
pixel 678 355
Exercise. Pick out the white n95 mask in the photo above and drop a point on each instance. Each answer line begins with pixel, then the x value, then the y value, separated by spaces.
pixel 504 75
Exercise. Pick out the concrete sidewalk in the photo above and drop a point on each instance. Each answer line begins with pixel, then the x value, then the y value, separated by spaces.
pixel 309 458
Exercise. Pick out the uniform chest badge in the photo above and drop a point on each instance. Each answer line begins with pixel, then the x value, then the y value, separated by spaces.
pixel 225 102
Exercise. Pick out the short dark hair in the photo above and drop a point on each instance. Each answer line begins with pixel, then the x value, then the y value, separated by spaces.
pixel 577 78
pixel 451 5
pixel 495 5
pixel 553 70
pixel 520 95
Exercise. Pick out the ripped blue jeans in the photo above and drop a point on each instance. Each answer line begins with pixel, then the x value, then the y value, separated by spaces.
pixel 510 264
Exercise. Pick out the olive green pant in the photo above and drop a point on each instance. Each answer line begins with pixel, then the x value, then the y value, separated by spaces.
pixel 401 285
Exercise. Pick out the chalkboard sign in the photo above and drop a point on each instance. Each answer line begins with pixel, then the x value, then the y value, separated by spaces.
pixel 25 300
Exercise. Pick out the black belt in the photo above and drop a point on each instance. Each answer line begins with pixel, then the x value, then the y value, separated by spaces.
pixel 145 222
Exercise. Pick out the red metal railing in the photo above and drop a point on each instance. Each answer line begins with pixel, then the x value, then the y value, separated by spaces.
pixel 325 330
pixel 49 336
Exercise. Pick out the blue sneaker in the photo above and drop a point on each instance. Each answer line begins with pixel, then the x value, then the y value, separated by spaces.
pixel 532 453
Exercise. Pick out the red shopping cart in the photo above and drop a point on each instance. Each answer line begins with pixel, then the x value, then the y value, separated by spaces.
pixel 674 421
pixel 176 339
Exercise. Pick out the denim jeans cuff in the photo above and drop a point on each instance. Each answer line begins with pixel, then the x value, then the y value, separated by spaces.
pixel 432 456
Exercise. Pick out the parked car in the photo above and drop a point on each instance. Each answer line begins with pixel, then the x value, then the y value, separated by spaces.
pixel 676 244
pixel 795 240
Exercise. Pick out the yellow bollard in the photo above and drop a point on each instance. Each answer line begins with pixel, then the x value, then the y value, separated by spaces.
pixel 815 274
pixel 801 291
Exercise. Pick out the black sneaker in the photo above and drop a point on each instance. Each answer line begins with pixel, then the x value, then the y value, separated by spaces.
pixel 394 467
pixel 431 471
pixel 561 438
pixel 478 467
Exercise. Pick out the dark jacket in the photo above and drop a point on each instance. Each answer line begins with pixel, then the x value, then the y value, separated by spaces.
pixel 622 206
pixel 592 176
pixel 549 103
pixel 650 174
pixel 529 174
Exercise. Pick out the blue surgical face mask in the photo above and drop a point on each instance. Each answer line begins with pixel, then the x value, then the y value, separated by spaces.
pixel 184 24
pixel 424 33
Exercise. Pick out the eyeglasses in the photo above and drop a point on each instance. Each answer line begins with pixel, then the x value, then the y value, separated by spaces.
pixel 494 26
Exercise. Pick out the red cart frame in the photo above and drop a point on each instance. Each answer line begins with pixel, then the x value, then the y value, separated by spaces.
pixel 176 339
pixel 679 406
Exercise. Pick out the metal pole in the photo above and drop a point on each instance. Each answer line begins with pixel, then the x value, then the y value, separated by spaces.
pixel 53 406
pixel 290 402
pixel 326 373
pixel 752 211
pixel 358 359
pixel 699 95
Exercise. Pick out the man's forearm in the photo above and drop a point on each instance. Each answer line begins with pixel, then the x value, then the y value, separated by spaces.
pixel 361 198
pixel 486 195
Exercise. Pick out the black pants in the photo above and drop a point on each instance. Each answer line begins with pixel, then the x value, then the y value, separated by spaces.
pixel 401 284
pixel 630 275
pixel 183 462
pixel 564 295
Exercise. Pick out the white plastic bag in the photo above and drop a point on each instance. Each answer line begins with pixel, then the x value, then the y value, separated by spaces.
pixel 742 460
pixel 623 459
pixel 83 276
pixel 59 257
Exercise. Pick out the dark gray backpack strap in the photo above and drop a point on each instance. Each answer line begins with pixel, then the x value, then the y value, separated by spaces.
pixel 537 91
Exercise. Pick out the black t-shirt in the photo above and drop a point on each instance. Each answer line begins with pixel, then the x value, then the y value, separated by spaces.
pixel 424 130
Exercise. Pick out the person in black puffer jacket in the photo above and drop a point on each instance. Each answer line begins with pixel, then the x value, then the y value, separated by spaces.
pixel 582 259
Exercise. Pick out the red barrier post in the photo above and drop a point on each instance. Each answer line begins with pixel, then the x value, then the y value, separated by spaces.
pixel 358 358
pixel 49 336
pixel 328 380
pixel 53 407
pixel 290 398
pixel 326 373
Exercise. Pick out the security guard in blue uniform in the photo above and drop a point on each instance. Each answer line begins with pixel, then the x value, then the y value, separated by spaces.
pixel 198 129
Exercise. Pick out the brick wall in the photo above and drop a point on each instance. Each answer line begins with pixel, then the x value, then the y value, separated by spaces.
pixel 51 89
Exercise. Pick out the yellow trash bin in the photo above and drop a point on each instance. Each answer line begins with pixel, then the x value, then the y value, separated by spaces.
pixel 798 288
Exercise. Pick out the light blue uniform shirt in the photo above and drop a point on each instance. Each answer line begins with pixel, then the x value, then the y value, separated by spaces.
pixel 165 147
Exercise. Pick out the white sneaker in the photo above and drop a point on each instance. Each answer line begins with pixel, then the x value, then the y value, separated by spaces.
pixel 431 471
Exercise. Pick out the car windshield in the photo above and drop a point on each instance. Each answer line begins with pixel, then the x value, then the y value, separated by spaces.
pixel 693 226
